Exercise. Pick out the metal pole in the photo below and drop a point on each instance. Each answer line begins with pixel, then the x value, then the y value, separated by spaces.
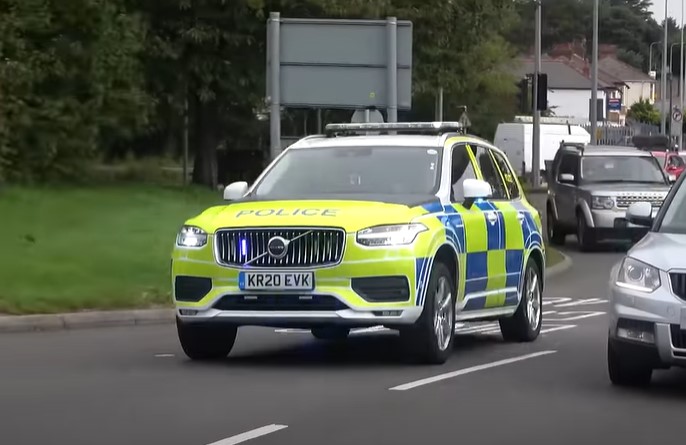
pixel 663 93
pixel 594 77
pixel 274 82
pixel 367 115
pixel 440 105
pixel 536 139
pixel 319 121
pixel 681 79
pixel 392 68
pixel 185 136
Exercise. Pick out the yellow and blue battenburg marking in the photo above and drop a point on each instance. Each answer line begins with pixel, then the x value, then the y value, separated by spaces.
pixel 492 246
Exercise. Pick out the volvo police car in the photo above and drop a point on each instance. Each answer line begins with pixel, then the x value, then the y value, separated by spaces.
pixel 410 226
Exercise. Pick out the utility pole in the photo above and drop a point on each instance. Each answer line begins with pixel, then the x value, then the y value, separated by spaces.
pixel 594 77
pixel 663 92
pixel 536 149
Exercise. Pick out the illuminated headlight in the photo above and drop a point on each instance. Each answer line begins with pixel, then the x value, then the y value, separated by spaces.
pixel 638 276
pixel 393 235
pixel 191 236
pixel 602 202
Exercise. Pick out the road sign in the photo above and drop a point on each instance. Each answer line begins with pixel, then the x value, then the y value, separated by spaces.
pixel 614 104
pixel 677 115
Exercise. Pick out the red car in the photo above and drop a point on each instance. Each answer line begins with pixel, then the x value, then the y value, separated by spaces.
pixel 673 162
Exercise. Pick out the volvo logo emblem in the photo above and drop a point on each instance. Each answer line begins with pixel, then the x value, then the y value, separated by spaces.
pixel 277 247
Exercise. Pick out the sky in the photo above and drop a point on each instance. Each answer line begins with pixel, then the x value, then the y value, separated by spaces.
pixel 674 6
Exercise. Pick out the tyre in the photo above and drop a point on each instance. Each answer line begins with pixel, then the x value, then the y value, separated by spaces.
pixel 525 324
pixel 206 341
pixel 430 339
pixel 584 234
pixel 625 370
pixel 330 333
pixel 556 235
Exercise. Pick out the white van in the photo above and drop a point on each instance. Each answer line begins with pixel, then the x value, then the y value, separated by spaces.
pixel 516 140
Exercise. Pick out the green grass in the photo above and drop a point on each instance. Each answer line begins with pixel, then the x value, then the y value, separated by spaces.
pixel 552 256
pixel 105 247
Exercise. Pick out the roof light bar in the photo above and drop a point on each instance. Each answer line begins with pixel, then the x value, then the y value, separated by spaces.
pixel 430 127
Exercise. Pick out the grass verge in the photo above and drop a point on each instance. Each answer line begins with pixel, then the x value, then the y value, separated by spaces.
pixel 104 247
pixel 553 256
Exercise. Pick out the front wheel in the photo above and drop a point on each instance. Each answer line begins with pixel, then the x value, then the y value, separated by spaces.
pixel 584 234
pixel 555 234
pixel 626 371
pixel 206 341
pixel 525 324
pixel 430 339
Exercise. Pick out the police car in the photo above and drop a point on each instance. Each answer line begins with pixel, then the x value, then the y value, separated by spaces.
pixel 410 226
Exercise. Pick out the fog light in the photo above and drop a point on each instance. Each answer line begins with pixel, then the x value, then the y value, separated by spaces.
pixel 188 312
pixel 636 335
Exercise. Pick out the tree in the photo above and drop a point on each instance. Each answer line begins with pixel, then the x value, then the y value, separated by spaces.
pixel 644 111
pixel 69 82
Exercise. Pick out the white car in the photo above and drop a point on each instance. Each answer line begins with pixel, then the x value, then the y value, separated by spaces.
pixel 648 295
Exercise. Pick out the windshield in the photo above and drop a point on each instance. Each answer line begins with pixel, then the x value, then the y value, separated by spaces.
pixel 353 170
pixel 674 217
pixel 607 169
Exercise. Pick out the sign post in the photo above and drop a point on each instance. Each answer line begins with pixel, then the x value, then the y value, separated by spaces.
pixel 337 64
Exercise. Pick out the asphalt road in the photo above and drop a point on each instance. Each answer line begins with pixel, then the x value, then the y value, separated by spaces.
pixel 134 386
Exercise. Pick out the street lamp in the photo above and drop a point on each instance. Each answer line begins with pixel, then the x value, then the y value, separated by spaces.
pixel 663 92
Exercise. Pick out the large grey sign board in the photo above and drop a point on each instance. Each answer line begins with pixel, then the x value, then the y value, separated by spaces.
pixel 341 63
pixel 338 64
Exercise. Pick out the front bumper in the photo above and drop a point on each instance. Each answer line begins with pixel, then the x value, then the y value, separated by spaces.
pixel 649 324
pixel 612 224
pixel 337 298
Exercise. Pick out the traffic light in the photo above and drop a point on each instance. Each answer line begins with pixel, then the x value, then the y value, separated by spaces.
pixel 542 104
pixel 523 96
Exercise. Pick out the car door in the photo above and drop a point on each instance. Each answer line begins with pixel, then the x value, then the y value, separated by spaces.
pixel 499 217
pixel 465 226
pixel 566 188
pixel 521 230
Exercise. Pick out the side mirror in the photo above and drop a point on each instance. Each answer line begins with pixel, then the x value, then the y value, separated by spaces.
pixel 235 190
pixel 566 178
pixel 640 213
pixel 476 189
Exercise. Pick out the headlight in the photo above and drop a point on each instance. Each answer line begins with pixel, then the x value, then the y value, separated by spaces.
pixel 191 236
pixel 602 202
pixel 392 235
pixel 635 275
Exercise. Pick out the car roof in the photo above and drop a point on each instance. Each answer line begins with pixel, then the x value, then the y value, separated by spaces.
pixel 610 150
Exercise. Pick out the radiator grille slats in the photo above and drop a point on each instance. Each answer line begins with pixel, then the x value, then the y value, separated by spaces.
pixel 307 247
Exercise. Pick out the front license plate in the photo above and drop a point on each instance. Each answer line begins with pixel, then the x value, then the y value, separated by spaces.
pixel 276 280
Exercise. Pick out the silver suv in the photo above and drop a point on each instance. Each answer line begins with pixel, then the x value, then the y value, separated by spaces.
pixel 591 187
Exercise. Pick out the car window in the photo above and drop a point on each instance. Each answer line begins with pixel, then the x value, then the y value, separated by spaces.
pixel 609 169
pixel 674 218
pixel 353 170
pixel 569 165
pixel 461 169
pixel 507 173
pixel 489 171
pixel 675 162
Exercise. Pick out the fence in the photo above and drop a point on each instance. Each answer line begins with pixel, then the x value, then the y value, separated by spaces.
pixel 615 135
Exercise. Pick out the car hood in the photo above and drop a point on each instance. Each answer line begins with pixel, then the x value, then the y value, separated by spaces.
pixel 625 187
pixel 350 215
pixel 662 250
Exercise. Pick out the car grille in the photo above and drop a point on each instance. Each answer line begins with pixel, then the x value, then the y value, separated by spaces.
pixel 626 199
pixel 279 303
pixel 308 247
pixel 678 281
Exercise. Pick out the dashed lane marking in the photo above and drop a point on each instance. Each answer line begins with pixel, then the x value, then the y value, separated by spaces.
pixel 252 434
pixel 460 372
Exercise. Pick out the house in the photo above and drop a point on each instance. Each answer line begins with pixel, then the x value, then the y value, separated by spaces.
pixel 569 91
pixel 638 85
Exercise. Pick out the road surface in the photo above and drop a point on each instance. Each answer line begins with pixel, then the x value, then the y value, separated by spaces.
pixel 127 386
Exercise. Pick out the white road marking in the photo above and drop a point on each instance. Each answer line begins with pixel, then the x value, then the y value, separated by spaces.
pixel 584 314
pixel 547 301
pixel 164 355
pixel 549 312
pixel 557 328
pixel 252 434
pixel 582 302
pixel 460 372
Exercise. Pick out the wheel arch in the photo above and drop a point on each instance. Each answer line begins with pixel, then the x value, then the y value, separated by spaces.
pixel 535 254
pixel 447 254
